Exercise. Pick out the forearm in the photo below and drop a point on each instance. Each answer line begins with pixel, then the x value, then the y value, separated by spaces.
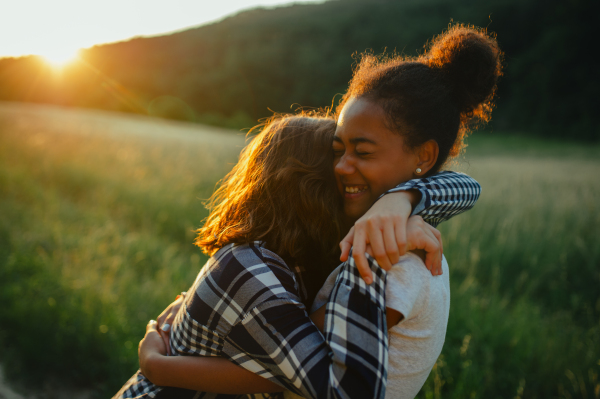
pixel 206 374
pixel 413 196
pixel 443 195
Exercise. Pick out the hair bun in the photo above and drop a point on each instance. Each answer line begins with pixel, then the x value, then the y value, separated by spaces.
pixel 471 62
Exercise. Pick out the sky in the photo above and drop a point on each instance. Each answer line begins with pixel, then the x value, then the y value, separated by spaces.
pixel 56 29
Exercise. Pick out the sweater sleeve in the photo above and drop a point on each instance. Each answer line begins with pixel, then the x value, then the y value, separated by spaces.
pixel 443 195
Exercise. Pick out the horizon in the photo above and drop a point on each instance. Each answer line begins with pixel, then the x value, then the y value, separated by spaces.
pixel 48 32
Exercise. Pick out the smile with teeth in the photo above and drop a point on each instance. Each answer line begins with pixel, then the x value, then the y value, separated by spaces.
pixel 355 189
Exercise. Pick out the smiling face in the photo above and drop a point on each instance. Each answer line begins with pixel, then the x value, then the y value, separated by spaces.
pixel 369 158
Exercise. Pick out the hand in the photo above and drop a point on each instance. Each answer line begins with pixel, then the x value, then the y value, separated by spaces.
pixel 165 320
pixel 423 236
pixel 151 346
pixel 383 227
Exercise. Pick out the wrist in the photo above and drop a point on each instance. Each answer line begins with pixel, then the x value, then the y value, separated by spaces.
pixel 413 196
pixel 399 203
pixel 150 367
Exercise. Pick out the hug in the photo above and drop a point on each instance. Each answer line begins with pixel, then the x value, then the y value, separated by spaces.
pixel 271 314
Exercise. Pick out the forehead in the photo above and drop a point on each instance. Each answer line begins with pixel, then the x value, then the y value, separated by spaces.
pixel 362 118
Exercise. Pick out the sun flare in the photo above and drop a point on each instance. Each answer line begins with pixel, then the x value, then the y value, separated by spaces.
pixel 59 58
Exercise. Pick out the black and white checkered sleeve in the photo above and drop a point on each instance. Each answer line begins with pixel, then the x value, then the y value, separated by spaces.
pixel 443 195
pixel 278 341
pixel 356 330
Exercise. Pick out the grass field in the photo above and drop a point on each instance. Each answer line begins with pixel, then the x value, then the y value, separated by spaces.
pixel 97 213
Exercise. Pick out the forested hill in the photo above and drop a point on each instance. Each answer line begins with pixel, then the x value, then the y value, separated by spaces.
pixel 242 68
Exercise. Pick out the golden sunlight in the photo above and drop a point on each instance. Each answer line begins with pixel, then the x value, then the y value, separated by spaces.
pixel 59 57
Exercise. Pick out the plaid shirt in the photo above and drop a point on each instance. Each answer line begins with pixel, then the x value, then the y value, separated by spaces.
pixel 247 307
pixel 443 195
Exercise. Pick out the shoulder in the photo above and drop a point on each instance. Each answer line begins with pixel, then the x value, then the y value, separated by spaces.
pixel 410 284
pixel 411 270
pixel 254 270
pixel 409 267
pixel 237 279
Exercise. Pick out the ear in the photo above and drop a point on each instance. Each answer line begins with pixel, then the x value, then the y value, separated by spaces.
pixel 427 155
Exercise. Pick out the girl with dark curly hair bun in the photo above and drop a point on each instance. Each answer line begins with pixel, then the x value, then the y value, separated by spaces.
pixel 404 118
pixel 419 109
pixel 276 215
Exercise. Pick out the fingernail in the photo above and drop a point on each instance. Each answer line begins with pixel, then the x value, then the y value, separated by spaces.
pixel 166 327
pixel 368 280
pixel 152 321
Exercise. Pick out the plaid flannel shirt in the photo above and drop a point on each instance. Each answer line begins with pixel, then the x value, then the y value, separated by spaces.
pixel 246 306
pixel 443 195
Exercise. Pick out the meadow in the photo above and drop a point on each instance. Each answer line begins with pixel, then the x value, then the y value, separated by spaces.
pixel 97 219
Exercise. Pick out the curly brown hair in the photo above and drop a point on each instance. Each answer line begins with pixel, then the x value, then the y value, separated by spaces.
pixel 282 191
pixel 440 95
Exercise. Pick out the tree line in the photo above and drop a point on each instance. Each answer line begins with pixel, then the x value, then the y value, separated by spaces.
pixel 243 68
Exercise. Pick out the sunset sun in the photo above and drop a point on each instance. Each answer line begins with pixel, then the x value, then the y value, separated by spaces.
pixel 60 57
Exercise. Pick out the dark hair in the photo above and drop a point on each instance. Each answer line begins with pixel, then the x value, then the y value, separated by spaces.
pixel 282 191
pixel 439 95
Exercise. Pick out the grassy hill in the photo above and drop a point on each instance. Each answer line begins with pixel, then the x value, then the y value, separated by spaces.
pixel 97 212
pixel 233 72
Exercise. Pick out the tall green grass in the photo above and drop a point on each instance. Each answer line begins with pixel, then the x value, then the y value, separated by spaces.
pixel 525 275
pixel 96 231
pixel 96 227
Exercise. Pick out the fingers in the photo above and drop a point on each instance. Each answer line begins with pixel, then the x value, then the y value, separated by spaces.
pixel 363 267
pixel 346 245
pixel 400 233
pixel 437 235
pixel 358 254
pixel 422 236
pixel 163 316
pixel 166 335
pixel 151 326
pixel 433 254
pixel 151 344
pixel 168 322
pixel 168 315
pixel 389 239
pixel 433 248
pixel 377 244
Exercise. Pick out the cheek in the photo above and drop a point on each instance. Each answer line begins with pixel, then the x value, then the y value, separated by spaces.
pixel 389 174
pixel 337 168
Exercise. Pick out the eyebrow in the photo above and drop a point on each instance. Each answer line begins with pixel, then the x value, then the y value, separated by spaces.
pixel 355 140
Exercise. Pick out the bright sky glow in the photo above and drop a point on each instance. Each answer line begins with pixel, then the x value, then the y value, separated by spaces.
pixel 56 29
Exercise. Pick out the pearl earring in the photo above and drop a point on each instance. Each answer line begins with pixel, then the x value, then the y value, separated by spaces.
pixel 418 170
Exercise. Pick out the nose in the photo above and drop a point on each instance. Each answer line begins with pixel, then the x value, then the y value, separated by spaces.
pixel 344 165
